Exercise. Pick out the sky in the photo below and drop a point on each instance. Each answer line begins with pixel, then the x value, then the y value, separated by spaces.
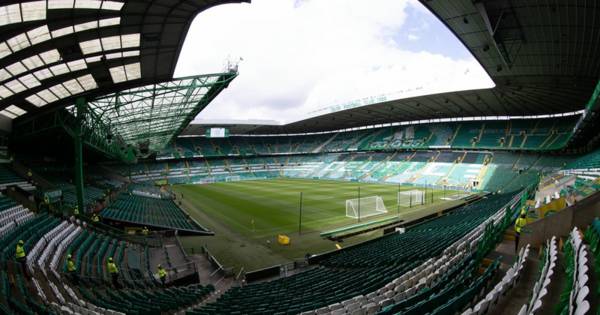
pixel 303 58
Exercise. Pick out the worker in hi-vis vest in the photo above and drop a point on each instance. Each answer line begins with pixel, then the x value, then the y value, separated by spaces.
pixel 114 272
pixel 95 217
pixel 21 256
pixel 72 269
pixel 519 224
pixel 162 274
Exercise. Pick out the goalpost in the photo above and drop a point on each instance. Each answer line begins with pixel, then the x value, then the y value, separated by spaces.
pixel 365 207
pixel 409 198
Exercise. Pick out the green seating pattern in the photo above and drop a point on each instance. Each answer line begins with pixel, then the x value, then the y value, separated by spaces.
pixel 150 301
pixel 149 211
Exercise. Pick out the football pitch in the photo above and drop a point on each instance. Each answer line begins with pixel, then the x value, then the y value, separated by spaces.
pixel 247 216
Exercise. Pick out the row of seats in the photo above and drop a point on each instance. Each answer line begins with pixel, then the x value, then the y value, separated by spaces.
pixel 592 236
pixel 510 278
pixel 162 213
pixel 149 301
pixel 8 177
pixel 540 289
pixel 531 134
pixel 574 299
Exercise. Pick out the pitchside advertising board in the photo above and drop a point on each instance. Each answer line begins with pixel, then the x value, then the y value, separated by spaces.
pixel 217 133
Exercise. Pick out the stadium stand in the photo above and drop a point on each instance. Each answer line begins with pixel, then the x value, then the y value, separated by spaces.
pixel 98 77
pixel 150 211
pixel 509 279
pixel 540 290
pixel 8 178
pixel 574 298
pixel 373 264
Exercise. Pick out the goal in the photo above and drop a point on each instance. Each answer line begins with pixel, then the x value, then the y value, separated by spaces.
pixel 409 198
pixel 365 207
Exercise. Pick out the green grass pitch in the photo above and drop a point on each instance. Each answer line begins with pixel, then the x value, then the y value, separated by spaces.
pixel 247 216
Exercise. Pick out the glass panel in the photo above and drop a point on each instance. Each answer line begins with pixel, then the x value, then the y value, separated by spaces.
pixel 87 82
pixel 112 5
pixel 8 114
pixel 77 65
pixel 4 75
pixel 73 86
pixel 131 40
pixel 63 31
pixel 133 71
pixel 47 96
pixel 15 86
pixel 33 62
pixel 60 4
pixel 88 4
pixel 36 100
pixel 118 74
pixel 29 81
pixel 86 26
pixel 4 92
pixel 18 42
pixel 50 56
pixel 16 110
pixel 90 46
pixel 60 91
pixel 43 74
pixel 111 42
pixel 4 50
pixel 110 22
pixel 16 68
pixel 10 14
pixel 38 35
pixel 32 11
pixel 59 69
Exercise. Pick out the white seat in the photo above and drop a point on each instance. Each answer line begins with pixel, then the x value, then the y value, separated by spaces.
pixel 583 308
pixel 536 306
pixel 582 294
pixel 468 311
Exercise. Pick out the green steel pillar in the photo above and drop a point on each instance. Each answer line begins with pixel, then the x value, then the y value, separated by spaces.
pixel 80 105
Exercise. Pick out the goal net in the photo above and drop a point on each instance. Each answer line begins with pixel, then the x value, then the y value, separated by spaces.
pixel 365 207
pixel 409 198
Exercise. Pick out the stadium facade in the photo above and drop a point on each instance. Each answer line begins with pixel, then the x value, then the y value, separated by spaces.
pixel 94 124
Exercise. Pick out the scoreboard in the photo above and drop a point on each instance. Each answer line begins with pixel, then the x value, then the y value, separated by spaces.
pixel 217 132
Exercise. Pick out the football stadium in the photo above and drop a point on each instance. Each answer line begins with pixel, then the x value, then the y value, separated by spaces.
pixel 117 196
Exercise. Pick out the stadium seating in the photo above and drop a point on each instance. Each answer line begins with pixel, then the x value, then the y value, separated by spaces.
pixel 373 264
pixel 575 296
pixel 523 134
pixel 163 213
pixel 8 177
pixel 540 289
pixel 509 279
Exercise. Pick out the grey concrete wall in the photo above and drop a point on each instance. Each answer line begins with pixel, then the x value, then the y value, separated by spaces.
pixel 562 222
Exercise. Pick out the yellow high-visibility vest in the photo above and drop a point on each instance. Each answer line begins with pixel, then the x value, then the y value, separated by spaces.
pixel 112 267
pixel 76 210
pixel 162 273
pixel 521 222
pixel 71 266
pixel 95 218
pixel 20 251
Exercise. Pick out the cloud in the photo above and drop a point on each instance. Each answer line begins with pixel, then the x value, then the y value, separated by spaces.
pixel 413 37
pixel 302 56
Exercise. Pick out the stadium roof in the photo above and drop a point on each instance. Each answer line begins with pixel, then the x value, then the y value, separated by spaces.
pixel 154 114
pixel 542 56
pixel 53 51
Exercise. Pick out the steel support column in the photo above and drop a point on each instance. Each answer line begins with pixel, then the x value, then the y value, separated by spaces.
pixel 80 105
